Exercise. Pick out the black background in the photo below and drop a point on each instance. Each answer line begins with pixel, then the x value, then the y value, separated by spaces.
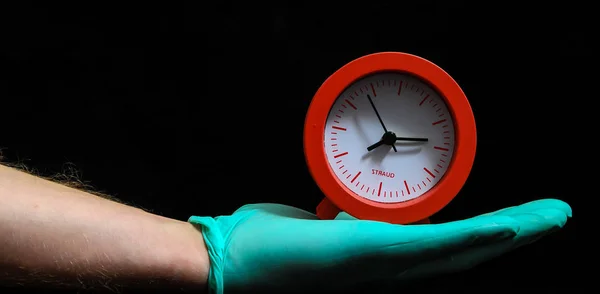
pixel 197 109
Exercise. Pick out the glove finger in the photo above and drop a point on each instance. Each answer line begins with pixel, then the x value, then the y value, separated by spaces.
pixel 408 244
pixel 533 206
pixel 537 224
pixel 533 226
pixel 515 210
pixel 459 261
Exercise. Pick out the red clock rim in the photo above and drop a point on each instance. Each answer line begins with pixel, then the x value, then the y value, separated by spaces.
pixel 458 170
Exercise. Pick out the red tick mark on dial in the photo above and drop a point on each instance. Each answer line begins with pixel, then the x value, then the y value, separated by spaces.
pixel 373 89
pixel 400 88
pixel 429 172
pixel 340 155
pixel 406 185
pixel 350 103
pixel 440 148
pixel 423 101
pixel 356 176
pixel 438 122
pixel 379 191
pixel 338 128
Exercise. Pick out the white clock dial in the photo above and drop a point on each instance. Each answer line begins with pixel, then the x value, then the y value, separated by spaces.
pixel 411 111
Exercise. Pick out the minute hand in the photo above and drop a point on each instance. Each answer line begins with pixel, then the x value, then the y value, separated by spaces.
pixel 379 117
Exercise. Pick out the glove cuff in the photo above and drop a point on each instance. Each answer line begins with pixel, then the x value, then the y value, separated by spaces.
pixel 215 246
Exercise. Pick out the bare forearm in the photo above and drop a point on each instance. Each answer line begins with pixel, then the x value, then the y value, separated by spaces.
pixel 49 232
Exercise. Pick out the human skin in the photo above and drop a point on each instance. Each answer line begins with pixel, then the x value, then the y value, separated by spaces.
pixel 52 235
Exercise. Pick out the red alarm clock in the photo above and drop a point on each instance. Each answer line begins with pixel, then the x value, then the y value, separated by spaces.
pixel 389 137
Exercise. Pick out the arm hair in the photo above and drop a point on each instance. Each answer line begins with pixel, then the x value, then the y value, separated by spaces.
pixel 57 232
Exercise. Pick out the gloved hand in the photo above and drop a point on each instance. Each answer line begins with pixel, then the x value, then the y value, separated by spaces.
pixel 281 249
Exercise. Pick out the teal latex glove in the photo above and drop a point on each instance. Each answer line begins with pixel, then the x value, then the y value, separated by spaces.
pixel 277 248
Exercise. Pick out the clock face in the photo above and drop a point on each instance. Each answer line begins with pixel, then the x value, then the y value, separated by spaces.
pixel 389 137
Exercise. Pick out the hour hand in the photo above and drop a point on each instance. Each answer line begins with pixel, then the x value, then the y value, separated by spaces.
pixel 379 143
